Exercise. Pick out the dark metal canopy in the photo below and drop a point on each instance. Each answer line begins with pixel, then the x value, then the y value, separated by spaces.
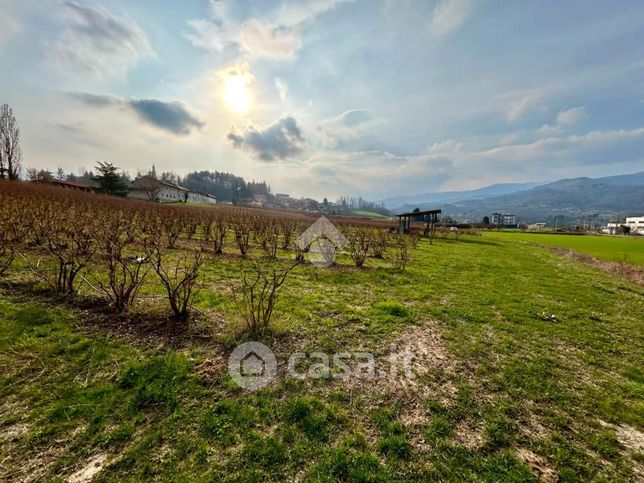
pixel 432 219
pixel 420 213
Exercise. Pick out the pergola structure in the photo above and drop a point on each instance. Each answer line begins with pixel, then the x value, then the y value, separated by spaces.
pixel 405 219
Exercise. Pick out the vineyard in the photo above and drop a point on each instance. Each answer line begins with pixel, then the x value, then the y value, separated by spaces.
pixel 118 319
pixel 74 242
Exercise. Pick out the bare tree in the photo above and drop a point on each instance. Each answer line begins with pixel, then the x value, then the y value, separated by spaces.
pixel 242 237
pixel 257 293
pixel 39 175
pixel 126 271
pixel 178 274
pixel 215 232
pixel 10 153
pixel 380 240
pixel 7 240
pixel 401 253
pixel 359 243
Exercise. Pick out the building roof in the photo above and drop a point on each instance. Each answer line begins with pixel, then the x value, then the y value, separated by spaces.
pixel 167 184
pixel 71 184
pixel 420 213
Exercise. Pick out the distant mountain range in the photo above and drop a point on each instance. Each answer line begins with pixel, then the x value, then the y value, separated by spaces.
pixel 570 200
pixel 402 202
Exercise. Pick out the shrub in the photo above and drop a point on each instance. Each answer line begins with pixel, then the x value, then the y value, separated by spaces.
pixel 359 241
pixel 177 272
pixel 255 297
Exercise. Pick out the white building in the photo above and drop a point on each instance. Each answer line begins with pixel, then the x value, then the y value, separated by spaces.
pixel 150 189
pixel 504 219
pixel 636 224
pixel 611 229
pixel 537 226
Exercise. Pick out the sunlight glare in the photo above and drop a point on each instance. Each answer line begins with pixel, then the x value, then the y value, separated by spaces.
pixel 237 94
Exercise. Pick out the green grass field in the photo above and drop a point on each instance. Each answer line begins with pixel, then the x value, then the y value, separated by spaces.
pixel 628 249
pixel 528 366
pixel 368 214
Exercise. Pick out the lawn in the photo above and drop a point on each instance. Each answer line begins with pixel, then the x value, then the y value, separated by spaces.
pixel 628 249
pixel 528 366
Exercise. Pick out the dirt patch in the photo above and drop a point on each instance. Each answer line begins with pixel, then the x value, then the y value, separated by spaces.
pixel 424 369
pixel 627 271
pixel 630 438
pixel 89 470
pixel 537 465
pixel 469 435
pixel 13 432
pixel 211 370
pixel 420 353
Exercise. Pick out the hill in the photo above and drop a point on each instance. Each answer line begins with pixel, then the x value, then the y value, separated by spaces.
pixel 570 200
pixel 411 201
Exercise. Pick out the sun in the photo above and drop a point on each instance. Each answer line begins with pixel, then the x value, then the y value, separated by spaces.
pixel 237 94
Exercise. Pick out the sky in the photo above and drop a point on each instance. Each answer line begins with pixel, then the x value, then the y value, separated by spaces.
pixel 324 98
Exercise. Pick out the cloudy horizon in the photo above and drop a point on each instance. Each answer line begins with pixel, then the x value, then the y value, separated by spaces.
pixel 324 98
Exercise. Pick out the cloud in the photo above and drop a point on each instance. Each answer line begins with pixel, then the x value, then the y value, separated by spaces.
pixel 282 139
pixel 282 89
pixel 550 130
pixel 99 42
pixel 522 106
pixel 171 116
pixel 80 133
pixel 564 118
pixel 595 147
pixel 174 117
pixel 449 165
pixel 95 100
pixel 571 116
pixel 260 39
pixel 449 15
pixel 8 28
pixel 451 146
pixel 276 36
pixel 207 35
pixel 348 126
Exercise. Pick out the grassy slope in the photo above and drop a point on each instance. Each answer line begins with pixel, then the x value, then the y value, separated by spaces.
pixel 368 214
pixel 520 388
pixel 612 248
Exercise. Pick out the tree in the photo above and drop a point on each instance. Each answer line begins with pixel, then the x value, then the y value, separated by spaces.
pixel 42 175
pixel 10 153
pixel 486 220
pixel 110 182
pixel 170 177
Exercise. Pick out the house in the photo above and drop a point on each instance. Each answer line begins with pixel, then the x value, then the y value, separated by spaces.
pixel 633 225
pixel 613 229
pixel 148 188
pixel 537 226
pixel 636 225
pixel 504 219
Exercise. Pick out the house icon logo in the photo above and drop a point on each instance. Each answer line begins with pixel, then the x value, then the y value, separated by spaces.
pixel 252 365
pixel 322 240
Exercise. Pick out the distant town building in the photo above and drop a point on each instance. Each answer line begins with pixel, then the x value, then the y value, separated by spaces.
pixel 636 224
pixel 504 219
pixel 150 189
pixel 633 225
pixel 537 226
pixel 613 229
pixel 284 200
